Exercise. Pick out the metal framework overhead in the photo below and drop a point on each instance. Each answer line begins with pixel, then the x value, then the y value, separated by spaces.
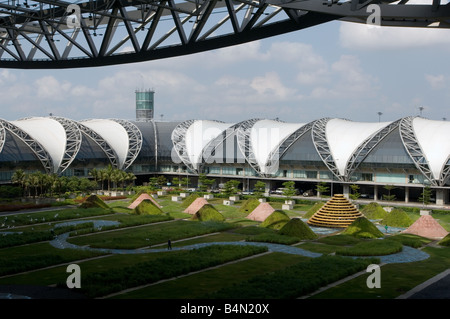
pixel 59 34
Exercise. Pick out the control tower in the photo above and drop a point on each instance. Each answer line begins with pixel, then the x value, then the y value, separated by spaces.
pixel 144 105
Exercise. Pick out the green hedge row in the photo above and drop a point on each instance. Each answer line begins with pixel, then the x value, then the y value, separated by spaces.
pixel 296 280
pixel 107 282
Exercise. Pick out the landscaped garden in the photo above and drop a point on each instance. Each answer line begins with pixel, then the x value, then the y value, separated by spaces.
pixel 217 252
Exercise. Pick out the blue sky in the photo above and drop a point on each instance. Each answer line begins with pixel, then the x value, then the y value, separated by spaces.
pixel 337 69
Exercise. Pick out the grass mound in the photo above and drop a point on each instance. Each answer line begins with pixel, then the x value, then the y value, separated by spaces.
pixel 189 200
pixel 94 201
pixel 445 241
pixel 208 212
pixel 297 228
pixel 249 205
pixel 372 248
pixel 362 228
pixel 276 220
pixel 397 218
pixel 147 207
pixel 374 211
pixel 313 209
pixel 339 240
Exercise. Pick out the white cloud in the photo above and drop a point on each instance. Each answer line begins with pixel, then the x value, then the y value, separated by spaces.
pixel 435 81
pixel 365 37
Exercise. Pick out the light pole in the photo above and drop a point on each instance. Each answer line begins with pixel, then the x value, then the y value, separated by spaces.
pixel 421 109
pixel 379 116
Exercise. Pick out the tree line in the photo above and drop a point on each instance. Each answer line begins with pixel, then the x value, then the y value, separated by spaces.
pixel 40 184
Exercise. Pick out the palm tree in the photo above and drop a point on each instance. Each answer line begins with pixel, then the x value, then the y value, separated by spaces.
pixel 19 177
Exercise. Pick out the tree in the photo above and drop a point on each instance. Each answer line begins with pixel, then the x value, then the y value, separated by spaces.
pixel 19 177
pixel 176 181
pixel 231 187
pixel 259 188
pixel 289 189
pixel 389 197
pixel 321 188
pixel 185 181
pixel 355 192
pixel 425 196
pixel 205 182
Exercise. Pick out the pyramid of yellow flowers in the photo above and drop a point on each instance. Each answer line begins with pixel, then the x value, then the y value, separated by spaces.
pixel 338 212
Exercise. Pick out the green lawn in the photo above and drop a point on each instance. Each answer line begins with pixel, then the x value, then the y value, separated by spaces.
pixel 204 283
pixel 396 279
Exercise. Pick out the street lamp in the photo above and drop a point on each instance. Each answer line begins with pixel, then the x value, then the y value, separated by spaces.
pixel 421 109
pixel 379 116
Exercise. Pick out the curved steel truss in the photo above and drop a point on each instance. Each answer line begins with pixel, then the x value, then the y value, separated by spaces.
pixel 38 150
pixel 2 136
pixel 60 34
pixel 134 142
pixel 73 142
pixel 179 143
pixel 414 150
pixel 320 142
pixel 366 147
pixel 244 141
pixel 101 142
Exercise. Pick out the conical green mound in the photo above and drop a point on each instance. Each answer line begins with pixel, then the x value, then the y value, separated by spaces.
pixel 374 211
pixel 147 207
pixel 189 200
pixel 208 212
pixel 313 209
pixel 94 201
pixel 363 228
pixel 297 228
pixel 276 220
pixel 249 205
pixel 445 241
pixel 397 218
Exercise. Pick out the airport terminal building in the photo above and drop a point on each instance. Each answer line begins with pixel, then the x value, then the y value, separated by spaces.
pixel 409 153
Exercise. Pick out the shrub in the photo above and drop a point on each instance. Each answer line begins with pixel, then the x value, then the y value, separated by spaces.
pixel 374 211
pixel 340 240
pixel 276 220
pixel 313 209
pixel 414 241
pixel 147 207
pixel 274 238
pixel 297 228
pixel 372 248
pixel 445 241
pixel 249 205
pixel 363 228
pixel 208 212
pixel 296 280
pixel 397 218
pixel 94 201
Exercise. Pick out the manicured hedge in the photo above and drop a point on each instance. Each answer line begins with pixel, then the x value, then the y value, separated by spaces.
pixel 372 248
pixel 374 211
pixel 147 207
pixel 24 238
pixel 313 209
pixel 249 205
pixel 208 213
pixel 397 218
pixel 297 228
pixel 363 228
pixel 106 282
pixel 296 280
pixel 276 220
